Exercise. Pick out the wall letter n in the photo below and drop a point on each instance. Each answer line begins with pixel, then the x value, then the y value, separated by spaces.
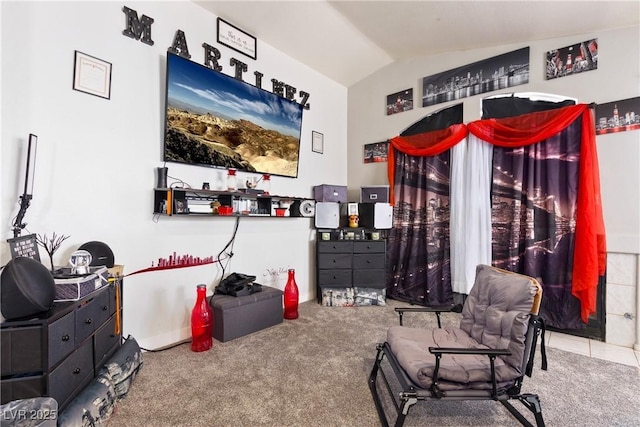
pixel 139 29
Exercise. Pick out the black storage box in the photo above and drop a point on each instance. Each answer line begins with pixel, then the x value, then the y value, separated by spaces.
pixel 27 287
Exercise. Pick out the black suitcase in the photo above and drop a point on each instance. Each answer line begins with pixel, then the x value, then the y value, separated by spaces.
pixel 26 288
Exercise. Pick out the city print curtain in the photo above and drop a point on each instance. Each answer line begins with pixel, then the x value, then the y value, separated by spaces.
pixel 418 249
pixel 522 193
pixel 546 207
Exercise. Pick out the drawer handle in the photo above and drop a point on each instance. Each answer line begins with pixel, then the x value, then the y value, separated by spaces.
pixel 88 321
pixel 65 337
pixel 76 371
pixel 105 307
pixel 368 261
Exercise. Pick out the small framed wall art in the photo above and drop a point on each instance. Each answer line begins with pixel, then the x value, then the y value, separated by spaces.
pixel 400 101
pixel 92 75
pixel 317 142
pixel 233 37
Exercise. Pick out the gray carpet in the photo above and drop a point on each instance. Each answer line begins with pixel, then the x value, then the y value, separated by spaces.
pixel 313 371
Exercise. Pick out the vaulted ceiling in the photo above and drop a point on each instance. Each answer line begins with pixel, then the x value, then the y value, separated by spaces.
pixel 348 40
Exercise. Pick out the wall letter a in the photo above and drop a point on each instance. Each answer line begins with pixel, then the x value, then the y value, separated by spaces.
pixel 139 29
pixel 179 46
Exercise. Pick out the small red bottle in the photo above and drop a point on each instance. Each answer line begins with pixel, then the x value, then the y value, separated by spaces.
pixel 291 296
pixel 201 322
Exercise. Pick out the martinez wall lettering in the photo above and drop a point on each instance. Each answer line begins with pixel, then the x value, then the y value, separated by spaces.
pixel 139 28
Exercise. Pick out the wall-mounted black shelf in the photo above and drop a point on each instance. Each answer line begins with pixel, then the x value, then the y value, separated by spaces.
pixel 194 202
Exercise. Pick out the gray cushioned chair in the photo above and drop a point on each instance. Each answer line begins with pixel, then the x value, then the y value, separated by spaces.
pixel 485 358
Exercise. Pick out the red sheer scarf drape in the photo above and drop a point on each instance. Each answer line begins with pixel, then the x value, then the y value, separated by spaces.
pixel 423 144
pixel 590 243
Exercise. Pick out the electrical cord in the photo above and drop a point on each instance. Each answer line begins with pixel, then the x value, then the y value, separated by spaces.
pixel 230 244
pixel 167 347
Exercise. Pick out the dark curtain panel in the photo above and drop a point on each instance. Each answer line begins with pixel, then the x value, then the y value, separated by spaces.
pixel 534 194
pixel 510 106
pixel 418 244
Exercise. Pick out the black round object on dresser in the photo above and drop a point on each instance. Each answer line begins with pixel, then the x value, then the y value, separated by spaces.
pixel 101 253
pixel 27 287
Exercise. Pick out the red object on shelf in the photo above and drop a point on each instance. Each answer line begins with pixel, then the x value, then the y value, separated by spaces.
pixel 225 210
pixel 281 211
pixel 291 296
pixel 201 322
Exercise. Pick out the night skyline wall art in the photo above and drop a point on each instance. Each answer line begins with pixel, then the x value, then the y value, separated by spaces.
pixel 400 101
pixel 618 116
pixel 573 59
pixel 499 72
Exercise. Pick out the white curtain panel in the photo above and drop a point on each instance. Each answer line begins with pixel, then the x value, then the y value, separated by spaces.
pixel 470 221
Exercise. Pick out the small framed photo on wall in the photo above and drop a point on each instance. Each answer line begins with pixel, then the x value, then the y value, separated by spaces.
pixel 400 101
pixel 376 152
pixel 317 142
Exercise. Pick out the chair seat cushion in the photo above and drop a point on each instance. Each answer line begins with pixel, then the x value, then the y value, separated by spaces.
pixel 411 349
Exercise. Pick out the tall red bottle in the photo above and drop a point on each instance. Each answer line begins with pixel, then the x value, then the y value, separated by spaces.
pixel 291 296
pixel 201 322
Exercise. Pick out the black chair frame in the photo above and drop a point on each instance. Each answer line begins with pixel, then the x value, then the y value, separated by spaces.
pixel 411 394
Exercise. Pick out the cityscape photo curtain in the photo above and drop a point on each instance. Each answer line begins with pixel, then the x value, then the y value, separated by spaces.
pixel 521 193
pixel 418 248
pixel 546 207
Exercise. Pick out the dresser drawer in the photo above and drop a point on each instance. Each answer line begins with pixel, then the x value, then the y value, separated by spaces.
pixel 91 315
pixel 371 278
pixel 22 350
pixel 61 338
pixel 74 372
pixel 330 260
pixel 22 388
pixel 372 260
pixel 334 277
pixel 368 246
pixel 335 247
pixel 105 341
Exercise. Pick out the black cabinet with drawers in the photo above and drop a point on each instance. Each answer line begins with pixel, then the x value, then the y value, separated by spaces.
pixel 346 267
pixel 58 352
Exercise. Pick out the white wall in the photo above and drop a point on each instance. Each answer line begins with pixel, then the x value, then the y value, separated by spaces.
pixel 617 77
pixel 96 158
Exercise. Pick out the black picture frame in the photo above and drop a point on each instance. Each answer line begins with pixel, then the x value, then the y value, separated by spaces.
pixel 91 75
pixel 234 38
pixel 317 142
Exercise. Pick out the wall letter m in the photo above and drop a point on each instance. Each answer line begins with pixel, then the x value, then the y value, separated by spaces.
pixel 139 29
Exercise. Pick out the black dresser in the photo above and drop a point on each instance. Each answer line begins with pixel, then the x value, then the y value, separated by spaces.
pixel 59 352
pixel 349 269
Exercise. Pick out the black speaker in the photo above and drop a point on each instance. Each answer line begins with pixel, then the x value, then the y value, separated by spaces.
pixel 161 177
pixel 101 253
pixel 26 287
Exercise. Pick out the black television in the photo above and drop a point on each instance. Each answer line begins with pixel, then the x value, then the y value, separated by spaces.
pixel 218 121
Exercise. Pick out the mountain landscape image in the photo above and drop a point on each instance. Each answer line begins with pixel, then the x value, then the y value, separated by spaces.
pixel 216 120
pixel 209 140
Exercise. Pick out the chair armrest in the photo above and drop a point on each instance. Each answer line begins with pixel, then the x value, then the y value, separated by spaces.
pixel 478 351
pixel 492 353
pixel 457 308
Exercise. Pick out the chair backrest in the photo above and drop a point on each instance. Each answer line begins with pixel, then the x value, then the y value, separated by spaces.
pixel 496 312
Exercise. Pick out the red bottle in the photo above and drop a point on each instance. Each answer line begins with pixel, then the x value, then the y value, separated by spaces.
pixel 201 322
pixel 291 296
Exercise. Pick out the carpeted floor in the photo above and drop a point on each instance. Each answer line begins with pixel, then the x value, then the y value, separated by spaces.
pixel 313 371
